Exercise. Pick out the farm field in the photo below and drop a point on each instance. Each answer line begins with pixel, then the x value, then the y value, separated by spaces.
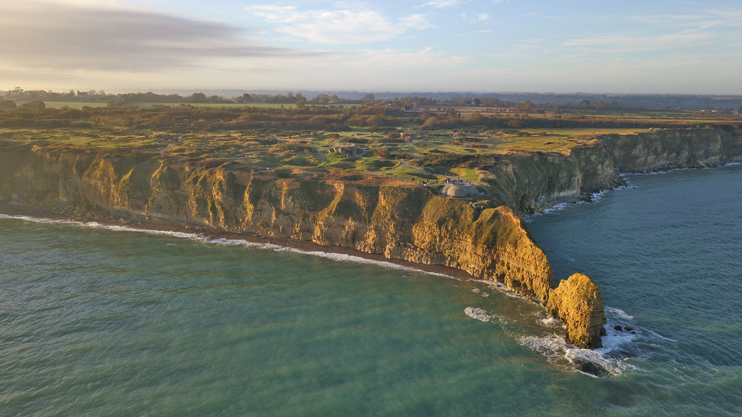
pixel 377 139
pixel 80 105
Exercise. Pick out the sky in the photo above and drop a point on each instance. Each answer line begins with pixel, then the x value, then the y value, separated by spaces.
pixel 560 46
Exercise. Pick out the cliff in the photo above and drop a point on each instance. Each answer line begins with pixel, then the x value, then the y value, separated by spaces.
pixel 366 213
pixel 530 183
pixel 579 303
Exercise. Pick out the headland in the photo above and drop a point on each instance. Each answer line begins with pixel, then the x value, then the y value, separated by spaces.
pixel 447 200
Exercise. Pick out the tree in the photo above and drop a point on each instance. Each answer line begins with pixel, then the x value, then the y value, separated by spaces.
pixel 431 122
pixel 33 106
pixel 382 152
pixel 197 98
pixel 475 118
pixel 369 98
pixel 375 121
pixel 7 105
pixel 739 110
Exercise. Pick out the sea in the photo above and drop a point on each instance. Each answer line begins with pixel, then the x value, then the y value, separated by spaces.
pixel 110 321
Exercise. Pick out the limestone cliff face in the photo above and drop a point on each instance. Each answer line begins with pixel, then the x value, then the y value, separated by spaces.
pixel 529 183
pixel 365 213
pixel 579 303
pixel 669 149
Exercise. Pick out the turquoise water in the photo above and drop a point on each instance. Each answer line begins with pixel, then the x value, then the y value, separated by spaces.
pixel 96 321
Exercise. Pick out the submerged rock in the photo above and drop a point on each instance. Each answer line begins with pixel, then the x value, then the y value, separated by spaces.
pixel 579 303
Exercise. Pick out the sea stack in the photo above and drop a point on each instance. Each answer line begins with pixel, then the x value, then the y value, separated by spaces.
pixel 367 213
pixel 579 303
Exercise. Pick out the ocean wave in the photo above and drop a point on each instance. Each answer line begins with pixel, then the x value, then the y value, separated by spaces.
pixel 477 314
pixel 597 196
pixel 481 315
pixel 557 208
pixel 610 360
pixel 549 321
pixel 339 257
pixel 501 288
pixel 594 363
pixel 617 312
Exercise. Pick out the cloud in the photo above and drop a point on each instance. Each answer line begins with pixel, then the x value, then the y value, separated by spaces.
pixel 481 17
pixel 340 26
pixel 66 36
pixel 439 4
pixel 626 44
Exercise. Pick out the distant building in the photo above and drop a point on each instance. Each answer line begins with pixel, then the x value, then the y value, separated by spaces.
pixel 410 110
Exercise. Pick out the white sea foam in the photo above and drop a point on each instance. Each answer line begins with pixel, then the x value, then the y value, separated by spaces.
pixel 596 197
pixel 611 359
pixel 502 288
pixel 617 313
pixel 556 208
pixel 481 315
pixel 594 363
pixel 477 314
pixel 340 257
pixel 475 290
pixel 551 322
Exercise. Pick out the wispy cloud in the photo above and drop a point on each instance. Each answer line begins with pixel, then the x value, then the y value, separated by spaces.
pixel 627 44
pixel 439 4
pixel 79 37
pixel 340 26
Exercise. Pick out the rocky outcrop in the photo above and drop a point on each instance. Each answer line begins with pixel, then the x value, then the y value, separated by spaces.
pixel 366 213
pixel 530 183
pixel 579 304
pixel 671 149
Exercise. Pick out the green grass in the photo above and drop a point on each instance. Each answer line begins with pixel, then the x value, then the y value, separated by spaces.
pixel 466 174
pixel 79 137
pixel 413 175
pixel 375 164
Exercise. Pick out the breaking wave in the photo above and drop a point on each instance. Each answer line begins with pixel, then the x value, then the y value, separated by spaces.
pixel 611 360
pixel 340 257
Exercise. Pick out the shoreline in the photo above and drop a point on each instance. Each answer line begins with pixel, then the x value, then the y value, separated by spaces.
pixel 596 196
pixel 211 233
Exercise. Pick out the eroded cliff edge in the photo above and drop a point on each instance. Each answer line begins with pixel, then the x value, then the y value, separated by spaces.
pixel 366 213
pixel 532 182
